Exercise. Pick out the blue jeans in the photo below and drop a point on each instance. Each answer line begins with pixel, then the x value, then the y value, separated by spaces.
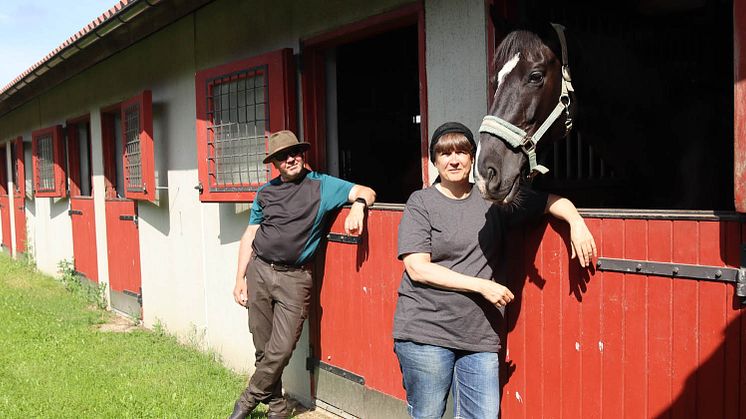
pixel 430 372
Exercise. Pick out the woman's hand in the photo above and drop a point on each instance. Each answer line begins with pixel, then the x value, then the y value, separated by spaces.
pixel 583 245
pixel 495 293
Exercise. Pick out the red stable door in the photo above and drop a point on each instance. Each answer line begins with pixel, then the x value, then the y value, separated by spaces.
pixel 122 236
pixel 82 215
pixel 4 200
pixel 19 193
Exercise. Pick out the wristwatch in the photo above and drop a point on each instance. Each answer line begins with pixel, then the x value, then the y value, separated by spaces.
pixel 362 201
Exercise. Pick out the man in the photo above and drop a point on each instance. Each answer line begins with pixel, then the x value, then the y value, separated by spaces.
pixel 287 219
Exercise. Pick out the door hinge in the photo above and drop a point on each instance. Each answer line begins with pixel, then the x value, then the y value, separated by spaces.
pixel 134 294
pixel 737 276
pixel 74 212
pixel 132 218
pixel 313 363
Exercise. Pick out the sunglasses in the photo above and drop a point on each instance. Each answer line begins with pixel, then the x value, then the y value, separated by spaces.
pixel 288 153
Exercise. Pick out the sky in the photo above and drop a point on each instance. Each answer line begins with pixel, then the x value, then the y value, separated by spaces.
pixel 31 29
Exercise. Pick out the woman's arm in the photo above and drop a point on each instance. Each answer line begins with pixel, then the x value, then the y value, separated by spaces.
pixel 422 270
pixel 581 238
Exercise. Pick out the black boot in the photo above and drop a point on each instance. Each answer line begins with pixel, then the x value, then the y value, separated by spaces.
pixel 240 412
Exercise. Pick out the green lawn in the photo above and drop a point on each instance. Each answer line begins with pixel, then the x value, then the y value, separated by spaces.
pixel 54 363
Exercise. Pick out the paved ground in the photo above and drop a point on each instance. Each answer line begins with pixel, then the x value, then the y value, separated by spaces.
pixel 301 413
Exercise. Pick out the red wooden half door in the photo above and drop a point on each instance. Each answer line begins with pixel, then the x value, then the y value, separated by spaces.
pixel 4 200
pixel 123 246
pixel 84 236
pixel 19 194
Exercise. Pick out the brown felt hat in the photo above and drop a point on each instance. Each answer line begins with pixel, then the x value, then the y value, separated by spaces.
pixel 281 141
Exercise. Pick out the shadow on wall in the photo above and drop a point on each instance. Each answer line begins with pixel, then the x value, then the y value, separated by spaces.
pixel 157 215
pixel 31 206
pixel 233 219
pixel 58 206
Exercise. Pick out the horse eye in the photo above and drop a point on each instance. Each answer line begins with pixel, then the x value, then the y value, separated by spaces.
pixel 536 77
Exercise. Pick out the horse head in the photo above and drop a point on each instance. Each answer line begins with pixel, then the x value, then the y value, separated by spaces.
pixel 531 103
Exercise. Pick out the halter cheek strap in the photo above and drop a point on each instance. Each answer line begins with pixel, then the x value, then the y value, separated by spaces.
pixel 517 138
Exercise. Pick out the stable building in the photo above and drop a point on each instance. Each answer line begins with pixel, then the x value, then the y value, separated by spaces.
pixel 135 149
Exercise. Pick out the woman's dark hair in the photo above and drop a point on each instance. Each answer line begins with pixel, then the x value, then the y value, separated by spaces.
pixel 457 128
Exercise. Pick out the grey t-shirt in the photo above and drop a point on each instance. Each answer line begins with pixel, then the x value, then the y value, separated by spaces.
pixel 465 236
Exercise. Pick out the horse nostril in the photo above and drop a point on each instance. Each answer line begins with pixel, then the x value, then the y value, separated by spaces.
pixel 490 174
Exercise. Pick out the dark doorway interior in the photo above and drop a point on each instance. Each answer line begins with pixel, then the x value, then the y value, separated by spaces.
pixel 654 84
pixel 378 114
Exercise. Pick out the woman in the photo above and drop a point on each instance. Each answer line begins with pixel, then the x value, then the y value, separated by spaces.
pixel 450 303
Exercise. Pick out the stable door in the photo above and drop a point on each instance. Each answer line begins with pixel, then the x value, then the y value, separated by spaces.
pixel 82 216
pixel 5 207
pixel 19 193
pixel 122 235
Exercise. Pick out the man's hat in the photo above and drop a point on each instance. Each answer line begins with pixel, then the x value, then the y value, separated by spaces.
pixel 281 141
pixel 456 127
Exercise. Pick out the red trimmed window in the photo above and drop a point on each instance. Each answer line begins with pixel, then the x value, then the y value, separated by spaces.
pixel 49 160
pixel 137 136
pixel 238 105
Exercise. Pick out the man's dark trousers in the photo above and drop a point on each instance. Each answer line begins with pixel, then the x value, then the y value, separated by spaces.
pixel 278 304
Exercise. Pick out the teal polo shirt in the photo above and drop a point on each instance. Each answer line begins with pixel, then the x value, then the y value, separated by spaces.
pixel 292 216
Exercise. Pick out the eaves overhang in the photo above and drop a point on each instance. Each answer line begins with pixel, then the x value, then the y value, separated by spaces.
pixel 128 22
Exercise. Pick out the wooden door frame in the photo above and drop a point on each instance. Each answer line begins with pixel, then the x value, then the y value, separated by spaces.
pixel 313 76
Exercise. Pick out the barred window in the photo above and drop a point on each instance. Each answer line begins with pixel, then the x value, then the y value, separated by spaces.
pixel 45 161
pixel 137 155
pixel 237 107
pixel 132 153
pixel 49 162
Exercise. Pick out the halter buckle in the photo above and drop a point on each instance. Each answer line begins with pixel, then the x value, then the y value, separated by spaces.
pixel 528 145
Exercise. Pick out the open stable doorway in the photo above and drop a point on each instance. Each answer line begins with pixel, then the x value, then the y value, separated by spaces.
pixel 373 113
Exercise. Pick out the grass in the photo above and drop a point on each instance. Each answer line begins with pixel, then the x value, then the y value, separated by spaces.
pixel 55 363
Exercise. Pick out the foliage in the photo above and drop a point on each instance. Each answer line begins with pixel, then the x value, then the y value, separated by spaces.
pixel 94 293
pixel 27 256
pixel 56 363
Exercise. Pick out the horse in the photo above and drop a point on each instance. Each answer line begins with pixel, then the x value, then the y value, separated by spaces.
pixel 532 106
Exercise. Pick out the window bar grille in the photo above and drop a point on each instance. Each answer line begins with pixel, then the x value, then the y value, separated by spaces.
pixel 132 149
pixel 46 163
pixel 236 140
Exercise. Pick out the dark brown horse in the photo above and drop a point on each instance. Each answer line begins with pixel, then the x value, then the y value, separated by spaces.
pixel 532 107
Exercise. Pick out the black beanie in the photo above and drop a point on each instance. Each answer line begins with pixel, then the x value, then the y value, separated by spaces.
pixel 445 129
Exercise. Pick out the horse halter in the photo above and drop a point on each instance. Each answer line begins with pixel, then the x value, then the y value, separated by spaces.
pixel 515 137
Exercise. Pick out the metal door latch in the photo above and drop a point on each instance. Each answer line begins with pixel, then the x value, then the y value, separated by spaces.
pixel 343 238
pixel 74 212
pixel 132 218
